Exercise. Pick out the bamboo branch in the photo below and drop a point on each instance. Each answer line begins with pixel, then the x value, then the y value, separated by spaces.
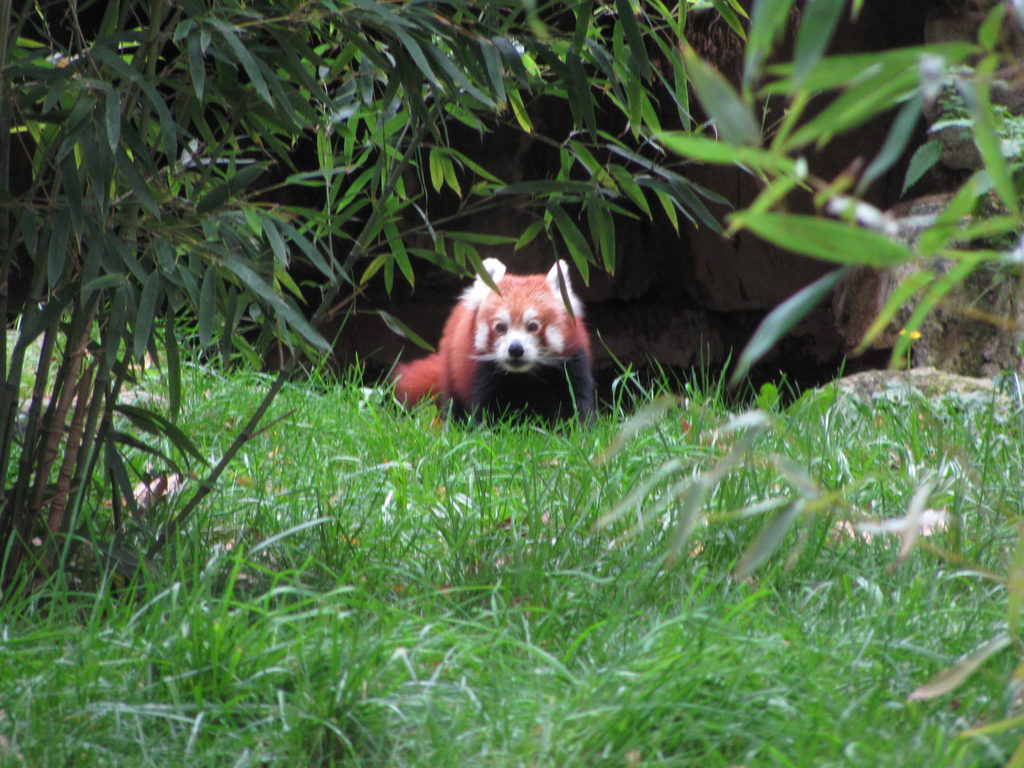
pixel 249 430
pixel 73 444
pixel 56 415
pixel 207 484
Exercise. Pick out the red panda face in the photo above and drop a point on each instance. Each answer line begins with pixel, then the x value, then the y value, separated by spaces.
pixel 525 325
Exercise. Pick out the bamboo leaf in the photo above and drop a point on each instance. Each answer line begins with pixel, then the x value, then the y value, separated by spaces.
pixel 102 283
pixel 629 187
pixel 728 12
pixel 70 175
pixel 307 248
pixel 634 37
pixel 480 238
pixel 924 159
pixel 985 136
pixel 895 142
pixel 373 267
pixel 168 135
pixel 196 65
pixel 435 163
pixel 951 678
pixel 911 285
pixel 234 185
pixel 826 239
pixel 136 182
pixel 733 119
pixel 513 59
pixel 492 61
pixel 780 320
pixel 766 23
pixel 708 150
pixel 231 35
pixel 459 80
pixel 858 104
pixel 948 223
pixel 937 291
pixel 251 280
pixel 515 101
pixel 152 295
pixel 528 235
pixel 769 539
pixel 154 423
pixel 117 322
pixel 113 118
pixel 602 232
pixel 668 205
pixel 57 256
pixel 275 241
pixel 448 168
pixel 28 229
pixel 991 28
pixel 207 306
pixel 687 517
pixel 401 256
pixel 574 240
pixel 399 328
pixel 173 365
pixel 639 492
pixel 817 26
pixel 546 188
pixel 418 58
pixel 283 278
pixel 583 104
pixel 38 319
pixel 849 70
pixel 117 472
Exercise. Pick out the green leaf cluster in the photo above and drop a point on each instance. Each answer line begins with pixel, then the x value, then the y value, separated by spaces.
pixel 817 99
pixel 211 180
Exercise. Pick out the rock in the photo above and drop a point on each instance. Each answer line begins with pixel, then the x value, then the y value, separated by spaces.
pixel 976 329
pixel 925 380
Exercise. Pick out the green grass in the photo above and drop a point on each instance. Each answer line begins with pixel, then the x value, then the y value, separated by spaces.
pixel 373 588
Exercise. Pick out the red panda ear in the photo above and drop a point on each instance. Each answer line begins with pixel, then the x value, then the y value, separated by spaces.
pixel 495 269
pixel 574 305
pixel 478 291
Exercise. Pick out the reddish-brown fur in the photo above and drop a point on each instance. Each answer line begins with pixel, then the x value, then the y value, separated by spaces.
pixel 450 373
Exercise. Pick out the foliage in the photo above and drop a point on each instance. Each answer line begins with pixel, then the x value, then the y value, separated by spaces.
pixel 819 98
pixel 198 181
pixel 426 598
pixel 192 178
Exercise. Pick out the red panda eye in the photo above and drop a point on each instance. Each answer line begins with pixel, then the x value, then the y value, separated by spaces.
pixel 533 326
pixel 500 327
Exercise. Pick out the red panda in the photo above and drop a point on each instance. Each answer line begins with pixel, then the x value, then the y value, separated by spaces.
pixel 514 350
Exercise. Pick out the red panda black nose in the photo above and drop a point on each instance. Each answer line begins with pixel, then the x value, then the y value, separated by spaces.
pixel 515 350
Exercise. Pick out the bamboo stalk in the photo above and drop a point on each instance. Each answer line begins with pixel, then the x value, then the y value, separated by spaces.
pixel 13 512
pixel 73 444
pixel 56 415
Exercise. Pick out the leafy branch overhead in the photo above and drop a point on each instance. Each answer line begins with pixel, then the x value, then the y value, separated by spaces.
pixel 211 179
pixel 770 126
pixel 820 98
